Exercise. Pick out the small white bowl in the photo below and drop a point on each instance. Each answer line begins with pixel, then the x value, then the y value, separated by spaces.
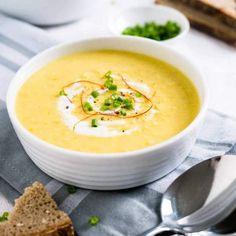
pixel 140 15
pixel 109 171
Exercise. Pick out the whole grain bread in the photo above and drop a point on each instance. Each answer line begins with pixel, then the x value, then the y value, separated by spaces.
pixel 215 17
pixel 36 214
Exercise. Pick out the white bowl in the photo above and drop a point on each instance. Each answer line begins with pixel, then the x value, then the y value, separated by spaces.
pixel 140 15
pixel 110 170
pixel 49 12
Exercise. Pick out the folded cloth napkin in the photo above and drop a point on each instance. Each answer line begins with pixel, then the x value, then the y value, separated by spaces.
pixel 126 212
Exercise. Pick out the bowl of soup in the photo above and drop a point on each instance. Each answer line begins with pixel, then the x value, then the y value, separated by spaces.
pixel 108 113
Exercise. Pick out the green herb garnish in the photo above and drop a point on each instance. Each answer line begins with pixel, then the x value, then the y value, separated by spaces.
pixel 62 93
pixel 108 102
pixel 108 74
pixel 120 99
pixel 123 113
pixel 4 216
pixel 116 103
pixel 88 106
pixel 115 96
pixel 94 123
pixel 138 95
pixel 127 104
pixel 154 31
pixel 94 220
pixel 104 108
pixel 95 94
pixel 109 83
pixel 111 102
pixel 112 87
pixel 71 189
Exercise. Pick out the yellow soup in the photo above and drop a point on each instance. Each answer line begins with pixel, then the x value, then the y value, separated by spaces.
pixel 106 101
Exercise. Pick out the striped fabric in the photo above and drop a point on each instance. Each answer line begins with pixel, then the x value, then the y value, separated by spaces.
pixel 126 212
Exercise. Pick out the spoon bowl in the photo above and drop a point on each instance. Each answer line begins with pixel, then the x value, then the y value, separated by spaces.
pixel 200 198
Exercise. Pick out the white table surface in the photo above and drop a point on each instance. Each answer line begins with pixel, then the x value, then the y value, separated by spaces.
pixel 217 59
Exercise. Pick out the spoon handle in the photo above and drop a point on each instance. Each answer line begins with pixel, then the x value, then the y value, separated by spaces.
pixel 162 229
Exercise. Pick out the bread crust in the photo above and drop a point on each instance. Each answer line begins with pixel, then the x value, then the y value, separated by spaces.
pixel 51 221
pixel 66 230
pixel 226 7
pixel 206 17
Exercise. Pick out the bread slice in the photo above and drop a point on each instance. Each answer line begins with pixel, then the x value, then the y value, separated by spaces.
pixel 215 17
pixel 36 213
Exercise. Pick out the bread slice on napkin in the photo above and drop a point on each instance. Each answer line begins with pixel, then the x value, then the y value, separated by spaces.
pixel 215 17
pixel 36 213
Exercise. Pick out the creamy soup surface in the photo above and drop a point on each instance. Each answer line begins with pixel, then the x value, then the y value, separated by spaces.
pixel 106 101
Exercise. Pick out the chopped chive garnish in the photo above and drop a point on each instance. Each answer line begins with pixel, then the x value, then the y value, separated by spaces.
pixel 154 31
pixel 108 102
pixel 93 220
pixel 88 106
pixel 4 216
pixel 95 94
pixel 138 94
pixel 112 87
pixel 123 113
pixel 94 123
pixel 62 93
pixel 109 82
pixel 120 99
pixel 127 104
pixel 71 189
pixel 116 103
pixel 104 108
pixel 108 74
pixel 114 96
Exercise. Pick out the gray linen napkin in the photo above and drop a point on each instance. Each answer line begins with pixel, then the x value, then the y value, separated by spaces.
pixel 126 212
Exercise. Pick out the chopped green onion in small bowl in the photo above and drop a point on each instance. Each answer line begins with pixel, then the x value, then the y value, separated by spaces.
pixel 159 23
pixel 154 31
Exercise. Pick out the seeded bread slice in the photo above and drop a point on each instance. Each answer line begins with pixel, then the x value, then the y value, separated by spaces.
pixel 36 214
pixel 215 17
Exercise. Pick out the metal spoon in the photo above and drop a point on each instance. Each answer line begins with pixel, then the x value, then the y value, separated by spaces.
pixel 200 198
